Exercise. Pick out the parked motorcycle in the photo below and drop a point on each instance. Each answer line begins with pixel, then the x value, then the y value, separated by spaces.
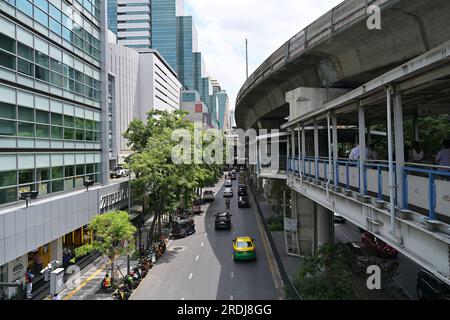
pixel 122 293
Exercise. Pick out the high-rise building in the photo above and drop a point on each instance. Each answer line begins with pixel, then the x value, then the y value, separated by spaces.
pixel 53 132
pixel 164 28
pixel 187 44
pixel 130 20
pixel 143 81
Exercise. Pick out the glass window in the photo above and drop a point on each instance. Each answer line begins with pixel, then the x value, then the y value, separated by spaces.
pixel 8 178
pixel 7 60
pixel 55 13
pixel 56 79
pixel 68 184
pixel 41 17
pixel 80 170
pixel 7 110
pixel 42 131
pixel 90 124
pixel 79 123
pixel 57 119
pixel 26 129
pixel 26 176
pixel 25 67
pixel 69 134
pixel 7 43
pixel 42 116
pixel 8 195
pixel 42 4
pixel 43 174
pixel 68 121
pixel 79 135
pixel 55 66
pixel 7 128
pixel 57 132
pixel 41 73
pixel 42 59
pixel 44 188
pixel 26 114
pixel 55 26
pixel 57 172
pixel 69 171
pixel 25 6
pixel 89 135
pixel 57 186
pixel 89 168
pixel 25 51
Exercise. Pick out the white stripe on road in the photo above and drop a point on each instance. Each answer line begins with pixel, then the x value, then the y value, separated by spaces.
pixel 231 297
pixel 202 244
pixel 232 275
pixel 190 276
pixel 196 258
pixel 182 298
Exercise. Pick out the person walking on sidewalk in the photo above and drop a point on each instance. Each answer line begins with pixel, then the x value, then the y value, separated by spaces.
pixel 29 283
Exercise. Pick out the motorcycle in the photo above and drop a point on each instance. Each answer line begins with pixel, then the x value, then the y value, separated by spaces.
pixel 228 203
pixel 104 286
pixel 122 293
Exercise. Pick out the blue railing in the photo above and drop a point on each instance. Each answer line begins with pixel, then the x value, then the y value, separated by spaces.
pixel 381 168
pixel 432 175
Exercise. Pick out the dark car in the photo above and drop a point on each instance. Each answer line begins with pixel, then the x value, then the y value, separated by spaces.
pixel 243 202
pixel 430 287
pixel 183 228
pixel 233 176
pixel 379 247
pixel 360 257
pixel 223 221
pixel 242 191
pixel 338 219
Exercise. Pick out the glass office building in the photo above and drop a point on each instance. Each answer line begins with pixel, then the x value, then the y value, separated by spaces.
pixel 164 29
pixel 187 44
pixel 112 15
pixel 50 96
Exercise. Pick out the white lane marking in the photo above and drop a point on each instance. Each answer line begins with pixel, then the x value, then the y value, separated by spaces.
pixel 202 244
pixel 231 297
pixel 190 276
pixel 206 234
pixel 197 257
pixel 182 298
pixel 232 275
pixel 209 226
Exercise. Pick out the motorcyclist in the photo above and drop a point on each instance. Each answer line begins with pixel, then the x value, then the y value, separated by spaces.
pixel 227 202
pixel 106 283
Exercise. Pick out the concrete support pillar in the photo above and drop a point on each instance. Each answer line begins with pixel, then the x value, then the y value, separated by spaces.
pixel 303 148
pixel 288 155
pixel 416 132
pixel 316 148
pixel 399 146
pixel 56 250
pixel 362 146
pixel 299 151
pixel 335 150
pixel 306 224
pixel 325 226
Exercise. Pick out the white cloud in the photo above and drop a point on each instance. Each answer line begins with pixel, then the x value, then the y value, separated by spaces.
pixel 223 26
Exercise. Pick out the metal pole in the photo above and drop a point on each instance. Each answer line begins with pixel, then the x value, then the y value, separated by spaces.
pixel 129 210
pixel 316 148
pixel 330 163
pixel 362 148
pixel 390 158
pixel 246 57
pixel 335 151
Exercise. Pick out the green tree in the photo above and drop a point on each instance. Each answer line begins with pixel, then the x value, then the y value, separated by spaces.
pixel 113 236
pixel 170 185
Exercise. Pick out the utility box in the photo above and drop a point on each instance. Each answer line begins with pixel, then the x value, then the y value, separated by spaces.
pixel 56 281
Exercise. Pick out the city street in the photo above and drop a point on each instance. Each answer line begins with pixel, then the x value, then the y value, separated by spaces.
pixel 201 266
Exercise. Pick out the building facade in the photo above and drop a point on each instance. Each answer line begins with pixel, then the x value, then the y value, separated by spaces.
pixel 130 20
pixel 54 131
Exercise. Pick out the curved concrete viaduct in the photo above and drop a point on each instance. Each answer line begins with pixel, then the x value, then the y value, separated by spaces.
pixel 338 50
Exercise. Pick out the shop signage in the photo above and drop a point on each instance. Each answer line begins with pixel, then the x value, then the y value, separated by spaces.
pixel 109 200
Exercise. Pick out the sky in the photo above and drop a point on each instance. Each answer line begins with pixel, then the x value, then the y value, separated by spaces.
pixel 223 26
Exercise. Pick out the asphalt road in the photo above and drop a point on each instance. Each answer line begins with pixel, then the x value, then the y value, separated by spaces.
pixel 201 266
pixel 406 277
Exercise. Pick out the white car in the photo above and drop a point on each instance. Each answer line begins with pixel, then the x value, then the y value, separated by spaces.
pixel 208 196
pixel 228 184
pixel 228 193
pixel 119 172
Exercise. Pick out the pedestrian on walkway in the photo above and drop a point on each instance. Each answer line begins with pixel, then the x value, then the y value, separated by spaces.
pixel 443 157
pixel 29 283
pixel 415 153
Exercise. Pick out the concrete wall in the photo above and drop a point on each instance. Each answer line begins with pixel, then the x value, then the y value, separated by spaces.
pixel 25 229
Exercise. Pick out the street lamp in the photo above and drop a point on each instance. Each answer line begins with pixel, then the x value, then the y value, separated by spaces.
pixel 27 196
pixel 88 183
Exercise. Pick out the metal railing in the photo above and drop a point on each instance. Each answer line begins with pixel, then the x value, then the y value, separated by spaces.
pixel 317 168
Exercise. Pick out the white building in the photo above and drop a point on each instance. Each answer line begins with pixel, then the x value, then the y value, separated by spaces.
pixel 141 81
pixel 133 23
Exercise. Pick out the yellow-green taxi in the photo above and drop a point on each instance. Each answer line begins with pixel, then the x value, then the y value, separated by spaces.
pixel 244 248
